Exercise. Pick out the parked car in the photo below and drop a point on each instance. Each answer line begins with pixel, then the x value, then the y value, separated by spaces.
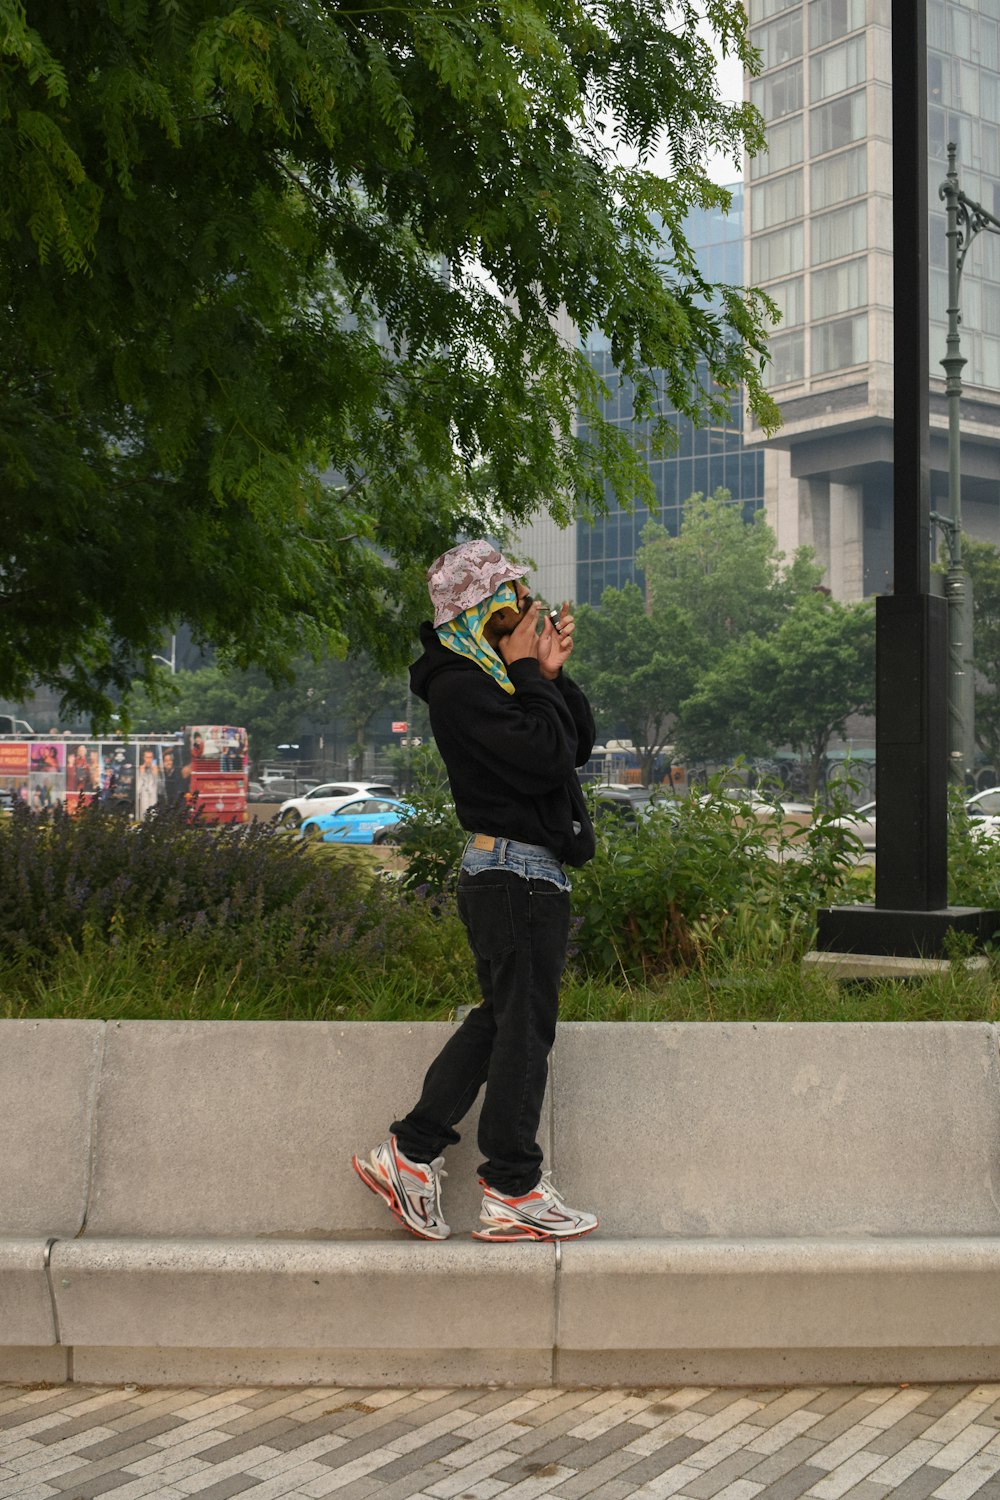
pixel 258 792
pixel 355 822
pixel 327 796
pixel 984 811
pixel 281 788
pixel 860 822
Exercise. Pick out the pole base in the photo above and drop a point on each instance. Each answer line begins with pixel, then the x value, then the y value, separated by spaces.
pixel 908 934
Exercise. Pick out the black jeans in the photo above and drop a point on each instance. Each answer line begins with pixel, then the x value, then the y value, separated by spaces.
pixel 518 929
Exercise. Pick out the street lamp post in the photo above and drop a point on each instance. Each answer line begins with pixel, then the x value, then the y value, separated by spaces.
pixel 172 663
pixel 965 219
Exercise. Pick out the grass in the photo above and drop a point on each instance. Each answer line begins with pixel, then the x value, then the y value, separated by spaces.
pixel 128 983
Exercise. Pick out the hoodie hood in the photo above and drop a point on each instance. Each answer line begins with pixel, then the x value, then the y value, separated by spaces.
pixel 435 658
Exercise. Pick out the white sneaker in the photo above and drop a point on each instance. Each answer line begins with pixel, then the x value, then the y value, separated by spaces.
pixel 538 1215
pixel 412 1189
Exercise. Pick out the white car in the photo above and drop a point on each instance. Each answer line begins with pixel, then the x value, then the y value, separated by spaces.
pixel 327 798
pixel 984 811
pixel 860 822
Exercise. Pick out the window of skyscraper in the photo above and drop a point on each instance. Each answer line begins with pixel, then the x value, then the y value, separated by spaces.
pixel 843 232
pixel 779 93
pixel 787 359
pixel 837 69
pixel 965 87
pixel 760 10
pixel 838 123
pixel 838 345
pixel 989 96
pixel 776 254
pixel 784 149
pixel 839 288
pixel 777 201
pixel 838 177
pixel 964 32
pixel 789 295
pixel 779 41
pixel 830 19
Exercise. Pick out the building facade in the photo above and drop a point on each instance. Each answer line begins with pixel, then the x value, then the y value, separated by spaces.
pixel 819 240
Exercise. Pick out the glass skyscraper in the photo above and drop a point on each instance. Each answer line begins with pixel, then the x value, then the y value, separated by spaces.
pixel 705 458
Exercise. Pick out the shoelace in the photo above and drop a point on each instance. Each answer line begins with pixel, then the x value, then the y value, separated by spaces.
pixel 550 1190
pixel 433 1188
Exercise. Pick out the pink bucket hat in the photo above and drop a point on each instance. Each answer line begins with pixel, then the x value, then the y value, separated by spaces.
pixel 466 575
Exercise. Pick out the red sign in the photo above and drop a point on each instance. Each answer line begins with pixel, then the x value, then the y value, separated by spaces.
pixel 13 760
pixel 399 726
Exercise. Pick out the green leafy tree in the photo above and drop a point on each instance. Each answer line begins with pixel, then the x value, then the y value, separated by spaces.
pixel 273 713
pixel 795 686
pixel 724 574
pixel 637 666
pixel 720 581
pixel 278 288
pixel 982 563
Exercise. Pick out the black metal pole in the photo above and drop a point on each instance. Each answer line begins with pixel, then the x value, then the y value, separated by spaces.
pixel 911 317
pixel 910 916
pixel 911 861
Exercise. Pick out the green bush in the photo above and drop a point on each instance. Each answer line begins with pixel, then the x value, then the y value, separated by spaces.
pixel 707 880
pixel 169 909
pixel 973 859
pixel 431 837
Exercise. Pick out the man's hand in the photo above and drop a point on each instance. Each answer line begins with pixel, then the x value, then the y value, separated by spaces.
pixel 554 646
pixel 523 640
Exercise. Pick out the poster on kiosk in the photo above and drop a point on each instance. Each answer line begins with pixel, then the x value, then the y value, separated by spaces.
pixel 215 769
pixel 205 768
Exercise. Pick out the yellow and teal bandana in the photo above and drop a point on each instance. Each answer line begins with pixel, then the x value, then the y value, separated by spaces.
pixel 464 634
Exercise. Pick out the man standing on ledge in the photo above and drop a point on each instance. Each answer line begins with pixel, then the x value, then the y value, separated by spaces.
pixel 511 728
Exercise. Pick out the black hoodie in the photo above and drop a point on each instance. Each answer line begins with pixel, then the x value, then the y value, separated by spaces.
pixel 510 758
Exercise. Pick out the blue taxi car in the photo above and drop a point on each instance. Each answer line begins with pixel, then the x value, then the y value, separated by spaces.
pixel 363 821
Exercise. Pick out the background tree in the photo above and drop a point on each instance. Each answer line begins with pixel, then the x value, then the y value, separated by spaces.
pixel 637 667
pixel 796 686
pixel 982 563
pixel 277 298
pixel 718 582
pixel 316 695
pixel 723 574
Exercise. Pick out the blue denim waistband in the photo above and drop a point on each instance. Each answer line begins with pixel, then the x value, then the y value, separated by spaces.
pixel 530 861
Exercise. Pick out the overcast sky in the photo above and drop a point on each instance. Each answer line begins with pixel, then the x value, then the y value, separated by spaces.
pixel 731 87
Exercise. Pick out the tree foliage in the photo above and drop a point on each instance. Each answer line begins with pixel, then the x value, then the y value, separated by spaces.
pixel 277 299
pixel 982 563
pixel 796 686
pixel 637 665
pixel 733 650
pixel 317 693
pixel 724 573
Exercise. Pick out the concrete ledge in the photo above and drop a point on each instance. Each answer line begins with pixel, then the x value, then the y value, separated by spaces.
pixel 339 1367
pixel 811 1202
pixel 845 966
pixel 244 1294
pixel 845 1294
pixel 26 1315
pixel 22 1366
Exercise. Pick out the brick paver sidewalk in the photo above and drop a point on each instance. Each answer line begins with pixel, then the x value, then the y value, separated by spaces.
pixel 79 1442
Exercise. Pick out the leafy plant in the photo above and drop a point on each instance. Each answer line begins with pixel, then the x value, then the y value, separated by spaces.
pixel 704 879
pixel 431 836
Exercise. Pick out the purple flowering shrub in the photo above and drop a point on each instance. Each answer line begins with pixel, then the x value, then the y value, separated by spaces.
pixel 204 897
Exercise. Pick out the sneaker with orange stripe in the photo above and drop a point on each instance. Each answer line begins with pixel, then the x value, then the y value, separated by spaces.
pixel 412 1189
pixel 538 1215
